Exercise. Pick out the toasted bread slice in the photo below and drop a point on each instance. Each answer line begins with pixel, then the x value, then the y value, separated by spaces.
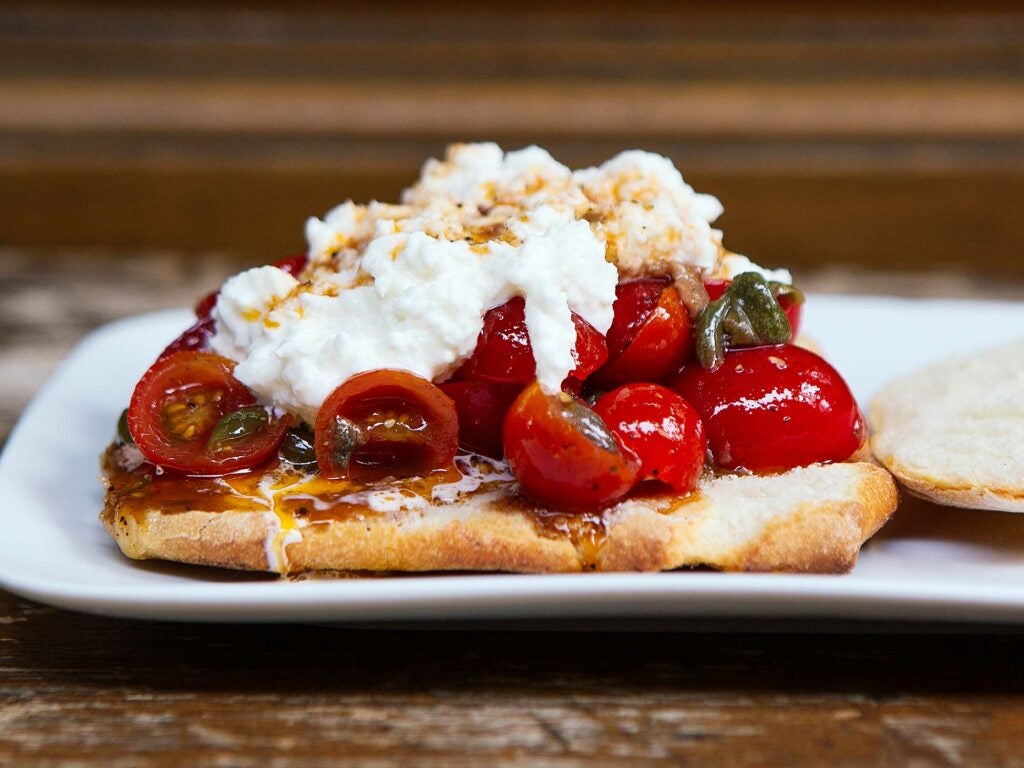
pixel 813 519
pixel 954 432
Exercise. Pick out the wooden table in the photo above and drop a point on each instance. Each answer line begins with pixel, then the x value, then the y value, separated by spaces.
pixel 80 690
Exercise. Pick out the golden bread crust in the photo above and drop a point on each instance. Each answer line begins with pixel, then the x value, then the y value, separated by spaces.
pixel 813 519
pixel 953 433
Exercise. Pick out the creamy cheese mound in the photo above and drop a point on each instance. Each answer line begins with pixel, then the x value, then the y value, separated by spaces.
pixel 407 286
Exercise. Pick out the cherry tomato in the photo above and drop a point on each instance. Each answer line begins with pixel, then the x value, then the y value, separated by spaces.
pixel 503 352
pixel 794 310
pixel 661 428
pixel 205 306
pixel 651 335
pixel 195 339
pixel 562 454
pixel 385 423
pixel 190 413
pixel 481 406
pixel 773 408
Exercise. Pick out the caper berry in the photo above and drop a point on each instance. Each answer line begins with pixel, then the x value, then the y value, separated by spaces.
pixel 297 447
pixel 747 314
pixel 124 435
pixel 237 426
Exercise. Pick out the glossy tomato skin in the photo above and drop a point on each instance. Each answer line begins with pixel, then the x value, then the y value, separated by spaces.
pixel 794 310
pixel 195 339
pixel 651 335
pixel 773 408
pixel 178 402
pixel 563 455
pixel 503 352
pixel 481 407
pixel 385 423
pixel 205 306
pixel 661 428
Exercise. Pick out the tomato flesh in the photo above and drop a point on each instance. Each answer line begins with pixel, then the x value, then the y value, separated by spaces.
pixel 661 428
pixel 385 423
pixel 794 310
pixel 563 454
pixel 504 354
pixel 481 407
pixel 651 335
pixel 773 408
pixel 178 403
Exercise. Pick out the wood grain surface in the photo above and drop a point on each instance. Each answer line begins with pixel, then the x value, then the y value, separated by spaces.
pixel 76 690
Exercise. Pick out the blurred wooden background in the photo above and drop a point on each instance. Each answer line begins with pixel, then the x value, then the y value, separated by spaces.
pixel 834 133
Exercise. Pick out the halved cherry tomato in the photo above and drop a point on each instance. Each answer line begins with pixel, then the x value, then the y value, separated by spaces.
pixel 481 406
pixel 385 423
pixel 181 416
pixel 563 454
pixel 661 428
pixel 773 408
pixel 195 339
pixel 293 265
pixel 651 336
pixel 794 310
pixel 503 352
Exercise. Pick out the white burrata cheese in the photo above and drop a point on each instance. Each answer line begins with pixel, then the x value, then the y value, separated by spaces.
pixel 732 264
pixel 406 286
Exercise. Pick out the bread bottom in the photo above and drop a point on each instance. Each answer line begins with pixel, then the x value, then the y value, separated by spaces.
pixel 810 520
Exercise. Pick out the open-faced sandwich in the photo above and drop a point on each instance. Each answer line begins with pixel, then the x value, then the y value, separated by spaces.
pixel 519 368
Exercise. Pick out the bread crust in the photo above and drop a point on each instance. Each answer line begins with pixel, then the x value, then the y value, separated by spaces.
pixel 811 520
pixel 953 433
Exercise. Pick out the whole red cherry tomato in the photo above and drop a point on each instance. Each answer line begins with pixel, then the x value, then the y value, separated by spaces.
pixel 190 413
pixel 661 428
pixel 563 454
pixel 503 352
pixel 794 309
pixel 651 335
pixel 773 408
pixel 481 406
pixel 385 423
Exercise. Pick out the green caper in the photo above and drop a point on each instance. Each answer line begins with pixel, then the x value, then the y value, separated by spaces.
pixel 298 447
pixel 753 294
pixel 710 333
pixel 124 435
pixel 747 314
pixel 591 425
pixel 348 437
pixel 237 426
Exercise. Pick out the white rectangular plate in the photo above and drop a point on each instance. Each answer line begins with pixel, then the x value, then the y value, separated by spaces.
pixel 930 565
